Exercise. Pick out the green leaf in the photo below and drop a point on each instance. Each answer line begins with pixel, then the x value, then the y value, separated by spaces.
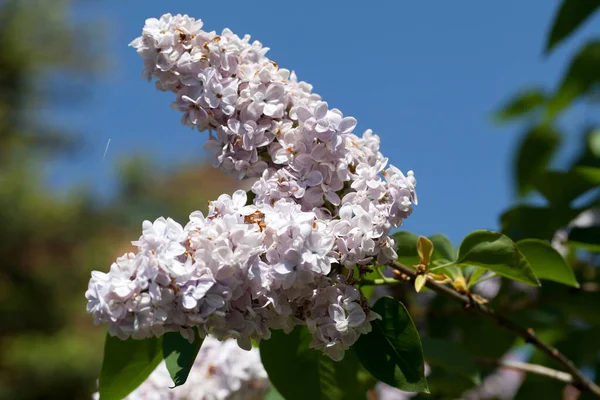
pixel 496 252
pixel 523 103
pixel 406 248
pixel 547 263
pixel 420 281
pixel 561 188
pixel 583 74
pixel 533 156
pixel 127 363
pixel 392 351
pixel 586 238
pixel 442 248
pixel 299 372
pixel 180 354
pixel 452 357
pixel 570 16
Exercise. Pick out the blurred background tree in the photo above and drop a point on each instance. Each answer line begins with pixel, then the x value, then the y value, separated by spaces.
pixel 49 348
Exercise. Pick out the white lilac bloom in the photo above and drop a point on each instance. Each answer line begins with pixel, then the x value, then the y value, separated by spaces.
pixel 237 272
pixel 337 318
pixel 222 371
pixel 322 197
pixel 264 118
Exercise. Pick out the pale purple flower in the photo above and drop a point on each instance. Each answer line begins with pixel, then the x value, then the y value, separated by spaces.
pixel 322 196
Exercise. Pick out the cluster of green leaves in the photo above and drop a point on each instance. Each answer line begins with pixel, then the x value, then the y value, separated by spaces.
pixel 391 353
pixel 481 251
pixel 481 255
pixel 566 318
pixel 564 190
pixel 127 363
pixel 43 348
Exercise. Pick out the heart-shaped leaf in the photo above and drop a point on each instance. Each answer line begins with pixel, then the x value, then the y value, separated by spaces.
pixel 496 252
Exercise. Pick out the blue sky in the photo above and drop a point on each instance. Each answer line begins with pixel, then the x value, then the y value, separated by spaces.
pixel 425 76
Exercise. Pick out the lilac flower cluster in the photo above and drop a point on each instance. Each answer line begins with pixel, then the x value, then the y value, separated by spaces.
pixel 323 200
pixel 222 371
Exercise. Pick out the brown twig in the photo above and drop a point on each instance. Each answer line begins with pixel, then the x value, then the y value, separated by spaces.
pixel 579 380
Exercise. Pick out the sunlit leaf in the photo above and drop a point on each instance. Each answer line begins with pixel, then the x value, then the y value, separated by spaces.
pixel 392 351
pixel 496 252
pixel 127 363
pixel 570 16
pixel 420 281
pixel 546 262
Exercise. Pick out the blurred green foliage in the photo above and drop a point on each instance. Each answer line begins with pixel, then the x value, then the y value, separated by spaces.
pixel 548 201
pixel 49 348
